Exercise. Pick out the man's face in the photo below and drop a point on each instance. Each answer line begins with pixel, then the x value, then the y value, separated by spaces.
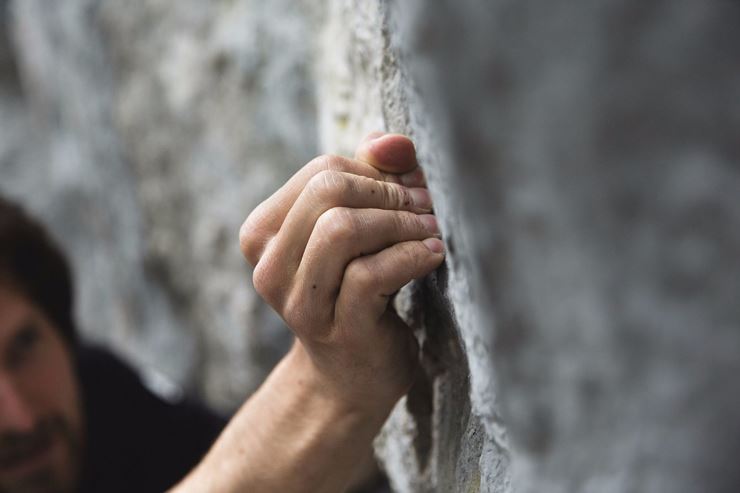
pixel 41 430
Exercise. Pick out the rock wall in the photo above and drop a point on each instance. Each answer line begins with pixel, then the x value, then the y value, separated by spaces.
pixel 588 161
pixel 584 333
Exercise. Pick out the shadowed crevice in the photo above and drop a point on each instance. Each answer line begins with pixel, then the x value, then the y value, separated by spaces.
pixel 439 399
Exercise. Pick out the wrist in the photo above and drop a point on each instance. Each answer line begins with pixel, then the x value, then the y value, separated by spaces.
pixel 321 388
pixel 293 430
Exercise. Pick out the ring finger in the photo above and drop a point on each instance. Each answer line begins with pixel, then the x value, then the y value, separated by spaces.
pixel 348 234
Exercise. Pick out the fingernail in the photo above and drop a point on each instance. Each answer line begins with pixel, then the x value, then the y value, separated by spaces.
pixel 430 222
pixel 434 245
pixel 413 178
pixel 422 199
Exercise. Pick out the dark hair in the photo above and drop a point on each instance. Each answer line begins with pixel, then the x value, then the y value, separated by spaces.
pixel 32 263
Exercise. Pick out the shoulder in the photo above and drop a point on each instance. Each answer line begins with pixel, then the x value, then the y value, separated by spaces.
pixel 145 441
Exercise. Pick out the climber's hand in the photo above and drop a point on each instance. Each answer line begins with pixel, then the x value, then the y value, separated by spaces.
pixel 330 248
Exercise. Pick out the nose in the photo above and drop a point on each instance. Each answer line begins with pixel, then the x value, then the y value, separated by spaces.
pixel 15 415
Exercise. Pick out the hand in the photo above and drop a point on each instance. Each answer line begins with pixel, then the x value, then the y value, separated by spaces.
pixel 329 249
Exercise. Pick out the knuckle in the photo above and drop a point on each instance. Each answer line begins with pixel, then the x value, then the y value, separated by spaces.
pixel 246 242
pixel 328 162
pixel 265 282
pixel 408 222
pixel 252 238
pixel 396 196
pixel 336 225
pixel 363 274
pixel 329 186
pixel 404 196
pixel 413 253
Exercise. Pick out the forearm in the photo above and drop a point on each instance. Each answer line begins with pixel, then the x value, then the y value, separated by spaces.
pixel 293 435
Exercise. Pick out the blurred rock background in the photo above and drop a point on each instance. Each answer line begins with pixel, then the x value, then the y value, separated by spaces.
pixel 144 136
pixel 584 335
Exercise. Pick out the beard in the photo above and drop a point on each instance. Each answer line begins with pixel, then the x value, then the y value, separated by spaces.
pixel 59 475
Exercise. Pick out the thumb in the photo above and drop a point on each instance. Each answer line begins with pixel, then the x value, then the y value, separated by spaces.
pixel 391 153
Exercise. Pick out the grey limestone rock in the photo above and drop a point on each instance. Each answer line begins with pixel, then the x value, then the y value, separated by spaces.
pixel 593 185
pixel 584 332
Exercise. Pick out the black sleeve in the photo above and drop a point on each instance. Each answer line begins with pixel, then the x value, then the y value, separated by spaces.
pixel 137 441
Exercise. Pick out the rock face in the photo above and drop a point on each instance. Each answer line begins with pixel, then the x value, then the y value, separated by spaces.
pixel 592 180
pixel 584 333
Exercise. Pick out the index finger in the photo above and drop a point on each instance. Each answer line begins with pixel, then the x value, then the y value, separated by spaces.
pixel 265 221
pixel 392 153
pixel 383 157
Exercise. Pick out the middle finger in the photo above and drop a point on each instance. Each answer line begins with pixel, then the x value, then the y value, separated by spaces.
pixel 331 189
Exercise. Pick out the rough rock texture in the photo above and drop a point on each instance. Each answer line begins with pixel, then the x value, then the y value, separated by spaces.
pixel 592 153
pixel 584 163
pixel 446 435
pixel 583 335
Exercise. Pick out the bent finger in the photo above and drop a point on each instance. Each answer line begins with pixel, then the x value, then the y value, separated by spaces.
pixel 335 190
pixel 392 153
pixel 370 281
pixel 267 218
pixel 330 248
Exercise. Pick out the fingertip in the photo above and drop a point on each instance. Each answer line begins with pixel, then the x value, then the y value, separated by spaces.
pixel 363 148
pixel 392 153
pixel 434 245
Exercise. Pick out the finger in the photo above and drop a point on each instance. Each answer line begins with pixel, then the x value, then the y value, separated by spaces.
pixel 370 281
pixel 331 189
pixel 377 154
pixel 265 221
pixel 392 153
pixel 342 235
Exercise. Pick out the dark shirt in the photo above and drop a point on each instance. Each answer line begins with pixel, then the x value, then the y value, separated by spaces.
pixel 137 441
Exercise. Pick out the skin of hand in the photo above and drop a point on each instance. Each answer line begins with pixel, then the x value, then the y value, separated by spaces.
pixel 329 250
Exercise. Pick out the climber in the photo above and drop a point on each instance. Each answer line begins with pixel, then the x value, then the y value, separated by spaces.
pixel 329 249
pixel 73 417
